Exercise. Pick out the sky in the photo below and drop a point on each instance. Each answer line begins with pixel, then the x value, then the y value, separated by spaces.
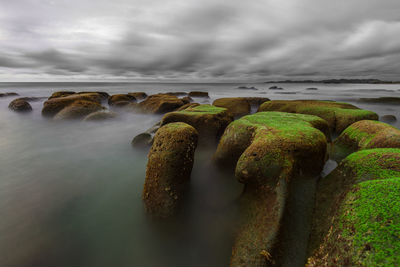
pixel 192 40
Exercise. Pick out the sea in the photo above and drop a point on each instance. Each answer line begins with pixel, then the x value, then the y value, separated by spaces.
pixel 71 191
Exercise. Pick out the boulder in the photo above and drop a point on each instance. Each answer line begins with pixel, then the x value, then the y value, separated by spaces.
pixel 338 115
pixel 275 88
pixel 52 106
pixel 143 140
pixel 169 166
pixel 177 93
pixel 356 220
pixel 160 103
pixel 33 98
pixel 189 105
pixel 78 110
pixel 366 134
pixel 112 100
pixel 100 116
pixel 138 95
pixel 381 100
pixel 269 150
pixel 8 94
pixel 20 105
pixel 239 106
pixel 187 99
pixel 61 94
pixel 311 89
pixel 209 121
pixel 198 94
pixel 388 118
pixel 103 95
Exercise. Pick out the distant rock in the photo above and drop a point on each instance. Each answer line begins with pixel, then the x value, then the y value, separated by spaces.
pixel 177 93
pixel 311 89
pixel 20 105
pixel 8 94
pixel 381 100
pixel 33 98
pixel 78 110
pixel 138 95
pixel 198 94
pixel 160 103
pixel 388 118
pixel 54 105
pixel 247 88
pixel 61 94
pixel 275 88
pixel 114 99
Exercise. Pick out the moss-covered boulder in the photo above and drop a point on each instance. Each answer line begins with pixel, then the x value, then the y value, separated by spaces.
pixel 78 110
pixel 209 121
pixel 61 94
pixel 20 105
pixel 160 103
pixel 138 95
pixel 239 106
pixel 52 106
pixel 338 115
pixel 198 94
pixel 357 214
pixel 103 95
pixel 100 116
pixel 269 149
pixel 177 93
pixel 114 99
pixel 366 134
pixel 381 100
pixel 169 166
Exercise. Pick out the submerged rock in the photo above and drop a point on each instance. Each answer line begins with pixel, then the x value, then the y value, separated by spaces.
pixel 247 88
pixel 239 106
pixel 366 134
pixel 209 121
pixel 388 118
pixel 160 103
pixel 381 100
pixel 20 105
pixel 357 214
pixel 275 88
pixel 8 94
pixel 198 94
pixel 78 110
pixel 53 106
pixel 100 116
pixel 338 115
pixel 142 140
pixel 115 99
pixel 269 149
pixel 311 89
pixel 169 166
pixel 177 93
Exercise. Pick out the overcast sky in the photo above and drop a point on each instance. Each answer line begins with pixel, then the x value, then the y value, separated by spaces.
pixel 193 40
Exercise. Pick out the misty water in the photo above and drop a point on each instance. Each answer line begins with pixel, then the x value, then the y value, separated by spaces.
pixel 70 192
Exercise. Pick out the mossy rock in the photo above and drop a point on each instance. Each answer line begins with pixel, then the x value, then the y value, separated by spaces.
pixel 239 106
pixel 53 106
pixel 338 115
pixel 366 134
pixel 269 149
pixel 169 166
pixel 198 94
pixel 381 100
pixel 187 99
pixel 189 105
pixel 177 93
pixel 61 94
pixel 357 214
pixel 142 140
pixel 138 95
pixel 388 118
pixel 160 103
pixel 208 120
pixel 112 100
pixel 78 110
pixel 100 116
pixel 20 105
pixel 103 95
pixel 8 94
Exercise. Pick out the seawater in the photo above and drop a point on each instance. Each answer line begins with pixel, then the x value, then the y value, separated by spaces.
pixel 70 192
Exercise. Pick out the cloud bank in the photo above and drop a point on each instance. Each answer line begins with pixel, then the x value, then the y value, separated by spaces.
pixel 190 40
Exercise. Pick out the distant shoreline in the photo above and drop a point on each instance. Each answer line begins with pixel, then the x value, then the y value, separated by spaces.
pixel 339 81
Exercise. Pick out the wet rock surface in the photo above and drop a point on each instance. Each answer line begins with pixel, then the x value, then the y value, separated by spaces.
pixel 20 105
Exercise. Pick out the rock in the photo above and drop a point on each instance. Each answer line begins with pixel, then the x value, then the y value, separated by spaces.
pixel 381 100
pixel 78 110
pixel 119 98
pixel 209 121
pixel 169 166
pixel 160 103
pixel 61 94
pixel 121 104
pixel 103 95
pixel 338 115
pixel 247 88
pixel 187 99
pixel 275 88
pixel 311 89
pixel 20 105
pixel 388 118
pixel 269 150
pixel 177 93
pixel 239 106
pixel 8 94
pixel 32 98
pixel 138 95
pixel 198 94
pixel 142 140
pixel 53 106
pixel 189 105
pixel 100 116
pixel 366 134
pixel 356 220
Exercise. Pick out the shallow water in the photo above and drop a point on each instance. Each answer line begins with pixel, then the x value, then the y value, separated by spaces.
pixel 70 192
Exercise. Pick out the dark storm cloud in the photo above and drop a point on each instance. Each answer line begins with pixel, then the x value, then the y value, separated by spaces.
pixel 212 40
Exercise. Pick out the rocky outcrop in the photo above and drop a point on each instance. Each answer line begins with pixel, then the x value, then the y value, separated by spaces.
pixel 114 99
pixel 53 106
pixel 20 105
pixel 357 214
pixel 198 94
pixel 366 134
pixel 338 115
pixel 209 121
pixel 269 149
pixel 169 166
pixel 78 110
pixel 160 103
pixel 239 106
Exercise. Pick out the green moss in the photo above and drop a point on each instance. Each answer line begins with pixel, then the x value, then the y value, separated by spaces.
pixel 370 222
pixel 203 109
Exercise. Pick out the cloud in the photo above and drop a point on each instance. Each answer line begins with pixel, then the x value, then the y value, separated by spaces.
pixel 200 40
